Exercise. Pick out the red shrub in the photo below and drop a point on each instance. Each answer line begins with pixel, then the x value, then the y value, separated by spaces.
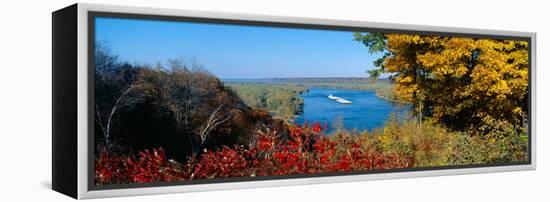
pixel 225 162
pixel 109 168
pixel 307 151
pixel 146 167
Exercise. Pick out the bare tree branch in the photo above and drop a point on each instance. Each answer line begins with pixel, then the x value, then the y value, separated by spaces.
pixel 216 118
pixel 100 121
pixel 122 100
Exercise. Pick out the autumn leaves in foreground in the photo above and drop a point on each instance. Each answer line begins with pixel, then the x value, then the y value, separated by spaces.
pixel 307 151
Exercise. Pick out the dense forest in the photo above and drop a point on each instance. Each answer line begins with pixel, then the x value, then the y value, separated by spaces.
pixel 282 100
pixel 176 121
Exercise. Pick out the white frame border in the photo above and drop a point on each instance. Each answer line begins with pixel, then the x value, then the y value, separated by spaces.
pixel 82 105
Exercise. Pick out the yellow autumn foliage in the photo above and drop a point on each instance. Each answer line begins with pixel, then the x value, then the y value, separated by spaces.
pixel 462 82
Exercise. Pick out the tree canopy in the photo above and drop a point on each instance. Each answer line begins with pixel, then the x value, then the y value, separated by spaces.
pixel 471 83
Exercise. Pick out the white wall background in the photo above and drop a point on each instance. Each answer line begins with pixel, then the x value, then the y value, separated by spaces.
pixel 25 98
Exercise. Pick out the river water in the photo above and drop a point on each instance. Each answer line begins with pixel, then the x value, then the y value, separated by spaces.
pixel 366 112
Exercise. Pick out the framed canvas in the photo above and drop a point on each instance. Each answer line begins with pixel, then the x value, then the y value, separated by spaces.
pixel 151 101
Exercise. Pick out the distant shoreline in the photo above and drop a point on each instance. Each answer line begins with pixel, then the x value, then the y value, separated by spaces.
pixel 304 79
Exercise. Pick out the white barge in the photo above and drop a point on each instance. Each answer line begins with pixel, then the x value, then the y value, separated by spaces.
pixel 338 99
pixel 333 97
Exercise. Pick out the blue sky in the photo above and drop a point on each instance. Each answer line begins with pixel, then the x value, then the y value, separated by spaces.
pixel 237 51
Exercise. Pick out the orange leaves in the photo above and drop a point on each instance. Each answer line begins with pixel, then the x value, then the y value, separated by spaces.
pixel 265 143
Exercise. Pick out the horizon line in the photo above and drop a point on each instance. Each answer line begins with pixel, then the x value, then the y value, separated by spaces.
pixel 328 77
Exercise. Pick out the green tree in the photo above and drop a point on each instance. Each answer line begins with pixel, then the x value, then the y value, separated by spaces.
pixel 376 42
